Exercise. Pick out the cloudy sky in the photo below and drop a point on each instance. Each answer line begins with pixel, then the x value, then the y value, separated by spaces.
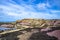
pixel 11 10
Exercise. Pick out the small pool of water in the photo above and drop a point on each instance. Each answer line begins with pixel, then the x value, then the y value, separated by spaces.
pixel 3 28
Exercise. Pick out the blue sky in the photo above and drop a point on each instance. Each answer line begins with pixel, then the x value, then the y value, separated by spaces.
pixel 11 10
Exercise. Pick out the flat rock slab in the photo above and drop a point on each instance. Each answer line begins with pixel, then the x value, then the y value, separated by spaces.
pixel 55 33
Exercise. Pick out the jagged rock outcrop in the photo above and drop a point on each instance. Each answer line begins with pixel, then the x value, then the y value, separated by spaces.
pixel 40 23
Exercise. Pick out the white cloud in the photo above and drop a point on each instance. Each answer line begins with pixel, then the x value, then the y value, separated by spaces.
pixel 27 11
pixel 43 6
pixel 55 11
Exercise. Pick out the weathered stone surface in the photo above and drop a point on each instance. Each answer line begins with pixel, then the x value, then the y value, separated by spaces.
pixel 27 34
pixel 7 25
pixel 55 33
pixel 46 29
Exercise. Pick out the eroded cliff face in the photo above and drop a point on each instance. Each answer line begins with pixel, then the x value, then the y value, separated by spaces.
pixel 33 23
pixel 39 23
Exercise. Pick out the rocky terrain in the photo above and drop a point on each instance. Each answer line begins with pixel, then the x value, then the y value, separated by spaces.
pixel 31 34
pixel 32 23
pixel 34 29
pixel 39 23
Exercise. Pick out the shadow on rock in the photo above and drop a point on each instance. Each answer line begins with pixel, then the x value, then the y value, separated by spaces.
pixel 41 36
